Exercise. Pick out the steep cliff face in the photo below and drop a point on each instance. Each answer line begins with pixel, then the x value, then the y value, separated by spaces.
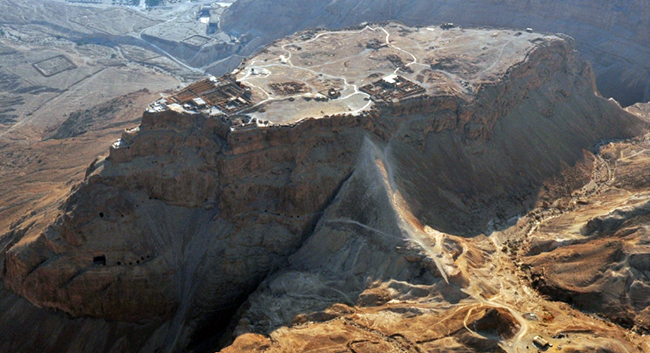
pixel 612 35
pixel 191 213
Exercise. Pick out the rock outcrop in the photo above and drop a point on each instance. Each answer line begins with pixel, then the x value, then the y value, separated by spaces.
pixel 192 213
pixel 596 256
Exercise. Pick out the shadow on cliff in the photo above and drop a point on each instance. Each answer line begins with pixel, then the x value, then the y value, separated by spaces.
pixel 395 228
pixel 458 185
pixel 356 210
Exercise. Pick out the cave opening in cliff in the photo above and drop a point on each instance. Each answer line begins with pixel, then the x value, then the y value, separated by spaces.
pixel 100 260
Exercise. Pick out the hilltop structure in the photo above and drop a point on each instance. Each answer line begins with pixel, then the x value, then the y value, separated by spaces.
pixel 323 171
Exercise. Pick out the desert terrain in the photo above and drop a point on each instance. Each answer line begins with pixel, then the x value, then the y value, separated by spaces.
pixel 611 35
pixel 380 188
pixel 356 186
pixel 59 57
pixel 67 92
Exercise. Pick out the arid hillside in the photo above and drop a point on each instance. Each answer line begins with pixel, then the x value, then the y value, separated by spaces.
pixel 353 189
pixel 37 176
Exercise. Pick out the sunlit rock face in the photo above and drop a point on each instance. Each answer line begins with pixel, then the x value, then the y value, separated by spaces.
pixel 373 203
pixel 612 35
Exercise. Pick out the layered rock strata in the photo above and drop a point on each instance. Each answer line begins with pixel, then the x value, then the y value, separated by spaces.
pixel 193 212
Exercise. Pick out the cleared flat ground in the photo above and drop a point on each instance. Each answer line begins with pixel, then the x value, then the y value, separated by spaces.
pixel 446 62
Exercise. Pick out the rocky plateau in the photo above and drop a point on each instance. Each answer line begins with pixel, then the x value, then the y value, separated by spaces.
pixel 612 35
pixel 504 199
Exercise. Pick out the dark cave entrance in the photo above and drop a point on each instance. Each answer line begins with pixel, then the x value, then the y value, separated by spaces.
pixel 100 260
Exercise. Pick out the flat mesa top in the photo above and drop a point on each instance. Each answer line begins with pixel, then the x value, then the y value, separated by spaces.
pixel 313 74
